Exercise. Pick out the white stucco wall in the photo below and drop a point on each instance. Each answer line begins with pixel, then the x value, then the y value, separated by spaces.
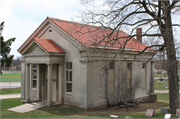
pixel 79 73
pixel 88 78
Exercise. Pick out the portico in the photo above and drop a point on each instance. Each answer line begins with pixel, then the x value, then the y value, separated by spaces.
pixel 43 74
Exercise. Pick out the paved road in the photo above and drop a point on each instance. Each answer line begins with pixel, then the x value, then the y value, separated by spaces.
pixel 10 85
pixel 10 96
pixel 162 91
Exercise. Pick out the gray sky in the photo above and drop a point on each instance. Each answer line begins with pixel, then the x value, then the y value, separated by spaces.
pixel 22 17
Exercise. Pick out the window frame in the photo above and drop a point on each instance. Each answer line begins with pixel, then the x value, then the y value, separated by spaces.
pixel 68 74
pixel 144 65
pixel 129 81
pixel 144 78
pixel 112 65
pixel 34 79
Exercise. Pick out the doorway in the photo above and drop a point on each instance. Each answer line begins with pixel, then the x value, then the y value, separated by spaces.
pixel 43 80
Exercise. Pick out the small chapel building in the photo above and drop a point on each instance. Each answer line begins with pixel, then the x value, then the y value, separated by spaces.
pixel 61 62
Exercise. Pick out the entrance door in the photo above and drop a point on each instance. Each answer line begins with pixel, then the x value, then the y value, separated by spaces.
pixel 42 82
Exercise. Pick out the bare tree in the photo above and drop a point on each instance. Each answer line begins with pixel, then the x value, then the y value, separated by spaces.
pixel 154 16
pixel 110 79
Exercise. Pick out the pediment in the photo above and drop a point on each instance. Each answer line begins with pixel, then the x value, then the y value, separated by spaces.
pixel 35 49
pixel 40 32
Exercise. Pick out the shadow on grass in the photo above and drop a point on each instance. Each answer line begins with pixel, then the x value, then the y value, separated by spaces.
pixel 62 110
pixel 67 111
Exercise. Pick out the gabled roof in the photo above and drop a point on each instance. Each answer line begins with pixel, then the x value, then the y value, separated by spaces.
pixel 89 35
pixel 48 45
pixel 92 36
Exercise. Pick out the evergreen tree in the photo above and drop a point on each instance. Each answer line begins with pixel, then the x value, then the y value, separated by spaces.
pixel 6 59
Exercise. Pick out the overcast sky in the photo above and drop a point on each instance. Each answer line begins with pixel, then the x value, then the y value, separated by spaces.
pixel 22 17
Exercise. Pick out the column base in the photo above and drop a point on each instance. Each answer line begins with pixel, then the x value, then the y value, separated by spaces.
pixel 27 100
pixel 49 104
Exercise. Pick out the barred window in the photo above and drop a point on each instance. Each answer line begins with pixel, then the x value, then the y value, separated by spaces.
pixel 68 77
pixel 34 76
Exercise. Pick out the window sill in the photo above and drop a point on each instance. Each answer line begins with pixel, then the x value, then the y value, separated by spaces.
pixel 68 93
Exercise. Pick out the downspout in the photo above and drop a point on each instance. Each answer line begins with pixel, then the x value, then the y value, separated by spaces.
pixel 107 89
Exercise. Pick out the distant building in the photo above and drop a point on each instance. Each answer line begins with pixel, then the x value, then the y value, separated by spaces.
pixel 160 66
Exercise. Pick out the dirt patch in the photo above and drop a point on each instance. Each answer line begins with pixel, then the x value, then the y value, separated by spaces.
pixel 141 107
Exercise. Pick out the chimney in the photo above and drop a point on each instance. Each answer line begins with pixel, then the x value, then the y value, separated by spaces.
pixel 139 32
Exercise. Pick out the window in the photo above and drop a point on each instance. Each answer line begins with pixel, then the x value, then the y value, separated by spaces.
pixel 144 75
pixel 143 65
pixel 68 77
pixel 111 78
pixel 129 75
pixel 34 76
pixel 129 65
pixel 111 65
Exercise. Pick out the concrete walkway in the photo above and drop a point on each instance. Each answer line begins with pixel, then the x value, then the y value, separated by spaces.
pixel 10 96
pixel 25 108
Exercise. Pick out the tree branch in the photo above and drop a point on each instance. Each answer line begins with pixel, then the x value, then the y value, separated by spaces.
pixel 172 4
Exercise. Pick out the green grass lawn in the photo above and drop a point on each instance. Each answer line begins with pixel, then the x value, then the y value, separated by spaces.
pixel 10 76
pixel 159 86
pixel 163 97
pixel 66 111
pixel 159 75
pixel 10 91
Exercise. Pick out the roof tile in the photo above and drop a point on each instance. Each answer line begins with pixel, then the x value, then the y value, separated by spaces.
pixel 90 36
pixel 49 45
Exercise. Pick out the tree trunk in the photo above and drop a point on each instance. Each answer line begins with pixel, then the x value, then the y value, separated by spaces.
pixel 172 72
pixel 167 34
pixel 172 79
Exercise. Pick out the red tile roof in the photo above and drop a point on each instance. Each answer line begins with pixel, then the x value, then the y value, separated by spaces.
pixel 49 45
pixel 90 36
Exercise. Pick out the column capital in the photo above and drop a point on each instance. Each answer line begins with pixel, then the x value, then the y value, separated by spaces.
pixel 49 63
pixel 61 64
pixel 27 63
pixel 152 61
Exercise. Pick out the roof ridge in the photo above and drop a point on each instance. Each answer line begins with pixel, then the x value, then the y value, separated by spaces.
pixel 73 22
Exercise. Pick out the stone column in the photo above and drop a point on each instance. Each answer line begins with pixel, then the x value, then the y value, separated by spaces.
pixel 27 85
pixel 38 87
pixel 49 86
pixel 60 85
